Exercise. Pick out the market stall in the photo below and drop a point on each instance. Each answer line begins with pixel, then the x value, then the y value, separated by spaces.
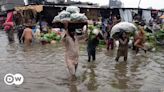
pixel 69 20
pixel 26 13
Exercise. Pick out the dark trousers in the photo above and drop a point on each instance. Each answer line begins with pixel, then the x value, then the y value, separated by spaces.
pixel 19 35
pixel 10 35
pixel 110 44
pixel 91 53
pixel 133 47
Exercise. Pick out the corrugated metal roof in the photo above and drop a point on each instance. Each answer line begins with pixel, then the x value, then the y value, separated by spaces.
pixel 95 7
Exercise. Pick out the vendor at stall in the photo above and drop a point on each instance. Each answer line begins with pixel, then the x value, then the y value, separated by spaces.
pixel 44 26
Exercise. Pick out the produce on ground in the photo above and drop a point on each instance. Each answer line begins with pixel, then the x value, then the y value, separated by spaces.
pixel 51 37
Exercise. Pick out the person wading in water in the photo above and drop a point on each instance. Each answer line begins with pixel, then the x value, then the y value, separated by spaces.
pixel 139 40
pixel 8 27
pixel 71 44
pixel 27 35
pixel 93 41
pixel 123 46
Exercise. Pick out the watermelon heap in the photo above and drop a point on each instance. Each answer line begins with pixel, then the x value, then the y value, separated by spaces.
pixel 51 36
pixel 160 34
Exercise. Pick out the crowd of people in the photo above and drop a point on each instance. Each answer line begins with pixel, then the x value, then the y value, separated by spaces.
pixel 26 34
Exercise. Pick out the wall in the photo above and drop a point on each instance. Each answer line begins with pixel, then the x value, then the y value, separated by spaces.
pixel 10 4
pixel 56 1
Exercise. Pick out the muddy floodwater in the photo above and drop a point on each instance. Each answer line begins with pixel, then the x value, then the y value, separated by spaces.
pixel 44 70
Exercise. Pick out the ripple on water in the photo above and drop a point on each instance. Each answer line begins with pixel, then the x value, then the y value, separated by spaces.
pixel 45 70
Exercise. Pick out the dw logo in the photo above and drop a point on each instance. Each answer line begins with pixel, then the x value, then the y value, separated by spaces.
pixel 11 79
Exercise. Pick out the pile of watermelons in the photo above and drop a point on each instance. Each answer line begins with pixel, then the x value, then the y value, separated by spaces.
pixel 48 37
pixel 160 34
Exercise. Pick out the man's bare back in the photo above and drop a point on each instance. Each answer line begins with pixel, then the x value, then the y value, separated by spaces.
pixel 27 34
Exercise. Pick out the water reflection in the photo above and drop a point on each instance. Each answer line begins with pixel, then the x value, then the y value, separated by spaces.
pixel 45 70
pixel 92 84
pixel 73 86
pixel 90 76
pixel 136 79
pixel 121 81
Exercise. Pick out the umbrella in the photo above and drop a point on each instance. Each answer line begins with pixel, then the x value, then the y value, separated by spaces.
pixel 122 26
pixel 162 17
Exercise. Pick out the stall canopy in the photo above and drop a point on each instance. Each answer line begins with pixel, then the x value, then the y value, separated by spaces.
pixel 37 8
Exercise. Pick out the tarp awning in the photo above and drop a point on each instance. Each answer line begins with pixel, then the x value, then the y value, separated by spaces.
pixel 38 8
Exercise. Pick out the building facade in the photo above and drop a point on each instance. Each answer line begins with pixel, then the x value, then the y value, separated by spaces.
pixel 36 1
pixel 55 1
pixel 10 4
pixel 115 4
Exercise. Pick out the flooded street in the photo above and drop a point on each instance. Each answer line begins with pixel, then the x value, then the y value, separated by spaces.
pixel 44 70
